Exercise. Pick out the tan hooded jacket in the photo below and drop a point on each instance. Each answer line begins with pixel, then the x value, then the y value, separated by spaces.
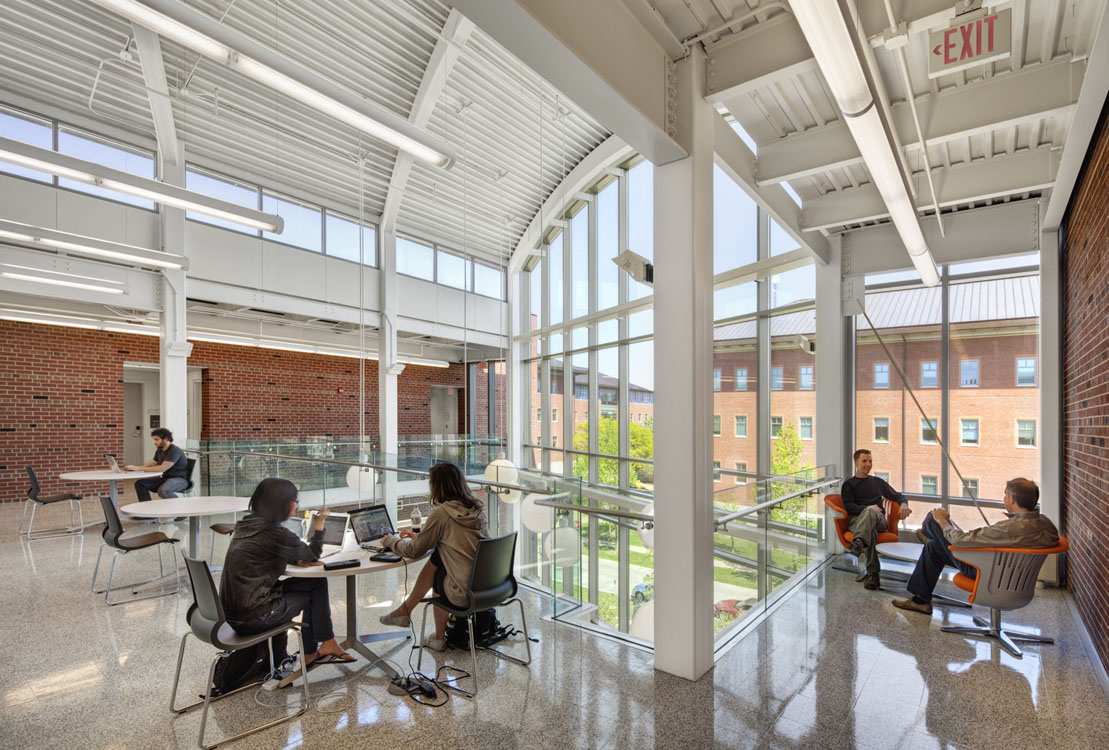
pixel 454 530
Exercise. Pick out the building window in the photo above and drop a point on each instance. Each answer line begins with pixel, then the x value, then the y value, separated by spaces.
pixel 741 378
pixel 1026 371
pixel 1026 433
pixel 232 192
pixel 969 432
pixel 775 426
pixel 489 281
pixel 303 224
pixel 929 375
pixel 929 485
pixel 716 425
pixel 883 475
pixel 881 374
pixel 27 130
pixel 881 429
pixel 806 428
pixel 806 382
pixel 969 371
pixel 101 151
pixel 554 415
pixel 538 415
pixel 452 270
pixel 740 467
pixel 554 441
pixel 414 259
pixel 741 425
pixel 716 471
pixel 716 380
pixel 928 432
pixel 349 240
pixel 777 380
pixel 970 487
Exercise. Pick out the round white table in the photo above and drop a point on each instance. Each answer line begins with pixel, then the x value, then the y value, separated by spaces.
pixel 113 478
pixel 193 508
pixel 910 552
pixel 354 641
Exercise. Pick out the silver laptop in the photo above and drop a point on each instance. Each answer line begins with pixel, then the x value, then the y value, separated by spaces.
pixel 371 525
pixel 334 528
pixel 112 464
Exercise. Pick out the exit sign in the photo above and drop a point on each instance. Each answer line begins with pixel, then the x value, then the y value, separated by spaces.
pixel 969 42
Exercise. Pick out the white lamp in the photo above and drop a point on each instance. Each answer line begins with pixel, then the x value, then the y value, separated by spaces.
pixel 536 518
pixel 503 471
pixel 563 546
pixel 643 622
pixel 361 479
pixel 646 529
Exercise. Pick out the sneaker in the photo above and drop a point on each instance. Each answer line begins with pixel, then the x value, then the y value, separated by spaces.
pixel 870 583
pixel 912 606
pixel 395 621
pixel 285 669
pixel 434 643
pixel 857 546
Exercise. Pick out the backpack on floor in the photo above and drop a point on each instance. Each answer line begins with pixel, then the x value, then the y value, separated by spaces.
pixel 243 667
pixel 487 631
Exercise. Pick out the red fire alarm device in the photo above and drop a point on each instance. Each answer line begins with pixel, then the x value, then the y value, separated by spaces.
pixel 340 390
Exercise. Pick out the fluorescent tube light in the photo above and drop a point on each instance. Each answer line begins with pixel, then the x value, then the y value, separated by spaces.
pixel 825 24
pixel 60 282
pixel 215 338
pixel 209 37
pixel 63 165
pixel 141 256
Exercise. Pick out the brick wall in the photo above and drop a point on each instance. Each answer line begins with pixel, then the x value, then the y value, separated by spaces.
pixel 1086 391
pixel 61 397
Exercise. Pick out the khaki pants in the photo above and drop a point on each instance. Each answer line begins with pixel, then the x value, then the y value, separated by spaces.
pixel 866 526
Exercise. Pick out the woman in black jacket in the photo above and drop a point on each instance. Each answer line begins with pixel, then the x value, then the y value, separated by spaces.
pixel 253 598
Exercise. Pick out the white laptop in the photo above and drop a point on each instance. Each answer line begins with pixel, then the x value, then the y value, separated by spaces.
pixel 112 464
pixel 334 529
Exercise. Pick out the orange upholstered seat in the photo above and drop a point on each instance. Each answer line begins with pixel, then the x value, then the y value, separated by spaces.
pixel 835 502
pixel 966 583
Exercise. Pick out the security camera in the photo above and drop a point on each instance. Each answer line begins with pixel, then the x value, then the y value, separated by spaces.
pixel 636 266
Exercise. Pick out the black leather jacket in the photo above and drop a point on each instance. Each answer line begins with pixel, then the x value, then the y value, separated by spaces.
pixel 257 557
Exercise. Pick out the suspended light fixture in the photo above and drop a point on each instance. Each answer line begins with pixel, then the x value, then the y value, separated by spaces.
pixel 293 346
pixel 75 321
pixel 503 471
pixel 834 41
pixel 206 35
pixel 58 278
pixel 63 165
pixel 141 256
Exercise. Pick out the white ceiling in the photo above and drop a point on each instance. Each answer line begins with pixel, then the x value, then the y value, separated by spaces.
pixel 492 108
pixel 995 157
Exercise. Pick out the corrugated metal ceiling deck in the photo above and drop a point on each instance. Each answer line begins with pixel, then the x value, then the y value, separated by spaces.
pixel 51 50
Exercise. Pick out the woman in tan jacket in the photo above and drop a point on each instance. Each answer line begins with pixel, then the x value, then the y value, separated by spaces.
pixel 456 523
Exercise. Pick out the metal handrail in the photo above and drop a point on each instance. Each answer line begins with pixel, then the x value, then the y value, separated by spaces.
pixel 591 511
pixel 365 465
pixel 724 520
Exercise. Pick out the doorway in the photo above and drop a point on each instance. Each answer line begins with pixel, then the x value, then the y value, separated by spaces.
pixel 444 409
pixel 133 443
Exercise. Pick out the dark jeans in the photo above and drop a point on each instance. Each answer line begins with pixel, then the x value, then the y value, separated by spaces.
pixel 932 561
pixel 301 595
pixel 164 487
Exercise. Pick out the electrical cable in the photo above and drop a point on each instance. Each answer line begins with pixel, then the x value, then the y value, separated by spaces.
pixel 932 423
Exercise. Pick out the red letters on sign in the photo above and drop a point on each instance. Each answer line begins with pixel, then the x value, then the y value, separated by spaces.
pixel 969 42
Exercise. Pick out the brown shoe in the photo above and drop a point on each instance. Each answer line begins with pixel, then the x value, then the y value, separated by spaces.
pixel 920 537
pixel 911 606
pixel 871 582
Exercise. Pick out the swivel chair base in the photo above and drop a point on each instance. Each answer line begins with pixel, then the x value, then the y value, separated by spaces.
pixel 994 629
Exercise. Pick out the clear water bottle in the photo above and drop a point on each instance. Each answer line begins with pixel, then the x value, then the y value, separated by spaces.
pixel 417 519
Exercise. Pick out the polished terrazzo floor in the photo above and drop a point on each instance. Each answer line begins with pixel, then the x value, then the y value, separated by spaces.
pixel 834 667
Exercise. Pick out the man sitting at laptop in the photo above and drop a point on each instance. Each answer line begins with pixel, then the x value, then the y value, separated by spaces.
pixel 168 459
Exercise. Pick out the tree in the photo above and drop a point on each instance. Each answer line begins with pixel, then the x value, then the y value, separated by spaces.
pixel 608 441
pixel 787 457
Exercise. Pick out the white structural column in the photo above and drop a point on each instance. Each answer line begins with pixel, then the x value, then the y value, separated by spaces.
pixel 175 347
pixel 833 406
pixel 1051 386
pixel 683 388
pixel 387 366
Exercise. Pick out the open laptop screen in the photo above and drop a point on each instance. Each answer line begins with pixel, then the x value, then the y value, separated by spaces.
pixel 371 524
pixel 333 528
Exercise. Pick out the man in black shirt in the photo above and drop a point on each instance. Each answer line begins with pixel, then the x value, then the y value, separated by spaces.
pixel 865 498
pixel 168 459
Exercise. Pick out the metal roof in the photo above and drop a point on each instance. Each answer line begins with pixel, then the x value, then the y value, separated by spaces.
pixel 971 302
pixel 51 52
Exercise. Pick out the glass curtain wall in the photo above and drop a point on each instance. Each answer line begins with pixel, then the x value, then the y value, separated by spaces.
pixel 970 350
